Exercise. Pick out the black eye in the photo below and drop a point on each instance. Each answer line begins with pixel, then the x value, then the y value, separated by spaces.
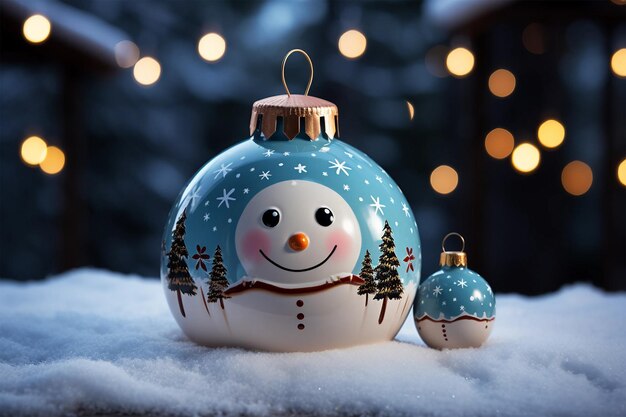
pixel 324 216
pixel 271 218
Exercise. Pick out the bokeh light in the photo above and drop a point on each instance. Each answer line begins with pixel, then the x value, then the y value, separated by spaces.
pixel 212 47
pixel 411 109
pixel 621 172
pixel 147 71
pixel 551 133
pixel 460 62
pixel 502 83
pixel 126 53
pixel 36 28
pixel 577 178
pixel 352 44
pixel 618 62
pixel 444 179
pixel 33 150
pixel 54 161
pixel 533 39
pixel 499 143
pixel 525 158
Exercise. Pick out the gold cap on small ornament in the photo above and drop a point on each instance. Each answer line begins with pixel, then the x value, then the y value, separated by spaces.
pixel 291 107
pixel 453 258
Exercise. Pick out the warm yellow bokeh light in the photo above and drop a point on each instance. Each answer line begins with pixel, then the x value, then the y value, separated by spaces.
pixel 211 47
pixel 33 150
pixel 551 133
pixel 126 53
pixel 411 110
pixel 502 83
pixel 444 179
pixel 621 172
pixel 576 178
pixel 499 143
pixel 525 157
pixel 54 162
pixel 147 71
pixel 352 44
pixel 618 62
pixel 460 62
pixel 36 28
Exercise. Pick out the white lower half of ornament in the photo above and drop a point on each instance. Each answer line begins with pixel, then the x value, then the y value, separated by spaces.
pixel 462 332
pixel 259 319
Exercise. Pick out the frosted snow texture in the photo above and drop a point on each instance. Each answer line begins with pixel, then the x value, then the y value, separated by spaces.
pixel 96 342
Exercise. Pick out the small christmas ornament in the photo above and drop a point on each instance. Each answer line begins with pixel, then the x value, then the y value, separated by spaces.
pixel 301 241
pixel 454 307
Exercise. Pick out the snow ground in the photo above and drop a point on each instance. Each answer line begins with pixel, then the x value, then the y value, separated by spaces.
pixel 92 341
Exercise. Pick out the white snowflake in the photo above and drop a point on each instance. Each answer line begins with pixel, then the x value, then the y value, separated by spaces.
pixel 340 167
pixel 206 217
pixel 359 167
pixel 224 169
pixel 246 190
pixel 286 153
pixel 324 149
pixel 192 197
pixel 461 283
pixel 437 291
pixel 377 205
pixel 443 303
pixel 349 154
pixel 346 187
pixel 265 175
pixel 462 308
pixel 361 199
pixel 366 182
pixel 405 209
pixel 379 179
pixel 268 152
pixel 300 168
pixel 324 174
pixel 226 197
pixel 214 228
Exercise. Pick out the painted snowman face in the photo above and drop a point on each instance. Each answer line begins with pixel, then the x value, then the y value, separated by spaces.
pixel 297 232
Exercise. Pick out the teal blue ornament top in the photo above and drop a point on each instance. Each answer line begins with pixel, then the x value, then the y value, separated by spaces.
pixel 291 240
pixel 454 291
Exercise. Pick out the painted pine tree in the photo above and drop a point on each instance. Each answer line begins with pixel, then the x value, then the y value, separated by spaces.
pixel 369 286
pixel 217 279
pixel 178 277
pixel 388 282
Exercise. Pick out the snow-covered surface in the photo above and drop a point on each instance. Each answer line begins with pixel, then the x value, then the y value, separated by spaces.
pixel 96 342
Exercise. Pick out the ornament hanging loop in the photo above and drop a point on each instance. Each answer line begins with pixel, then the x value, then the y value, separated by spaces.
pixel 443 242
pixel 308 58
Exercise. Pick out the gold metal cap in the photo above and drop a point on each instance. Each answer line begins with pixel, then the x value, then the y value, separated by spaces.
pixel 291 107
pixel 453 258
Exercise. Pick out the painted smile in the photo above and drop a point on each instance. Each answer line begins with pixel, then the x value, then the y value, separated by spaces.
pixel 299 270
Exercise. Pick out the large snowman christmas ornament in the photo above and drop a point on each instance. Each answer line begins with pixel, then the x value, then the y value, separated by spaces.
pixel 454 307
pixel 291 240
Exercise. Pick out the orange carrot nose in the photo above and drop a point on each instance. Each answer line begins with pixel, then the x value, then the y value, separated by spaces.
pixel 299 242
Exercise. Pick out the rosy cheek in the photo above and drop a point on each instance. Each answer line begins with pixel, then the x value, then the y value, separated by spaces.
pixel 253 241
pixel 343 242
